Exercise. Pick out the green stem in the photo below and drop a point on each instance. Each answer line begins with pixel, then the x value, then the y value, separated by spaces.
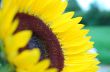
pixel 2 53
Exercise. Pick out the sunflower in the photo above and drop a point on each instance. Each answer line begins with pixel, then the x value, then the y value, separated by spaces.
pixel 58 36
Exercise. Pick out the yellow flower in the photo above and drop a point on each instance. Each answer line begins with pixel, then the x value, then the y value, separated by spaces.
pixel 58 36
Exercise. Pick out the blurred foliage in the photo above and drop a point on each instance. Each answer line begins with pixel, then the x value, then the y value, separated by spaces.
pixel 92 17
pixel 73 5
pixel 7 68
pixel 99 23
pixel 96 17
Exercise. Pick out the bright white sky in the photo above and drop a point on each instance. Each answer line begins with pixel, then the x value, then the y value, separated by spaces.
pixel 103 4
pixel 85 4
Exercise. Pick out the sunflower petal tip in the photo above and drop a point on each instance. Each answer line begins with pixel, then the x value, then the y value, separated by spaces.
pixel 79 18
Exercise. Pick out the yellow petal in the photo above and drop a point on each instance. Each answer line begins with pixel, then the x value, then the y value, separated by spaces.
pixel 5 25
pixel 62 20
pixel 27 59
pixel 77 49
pixel 22 38
pixel 43 64
pixel 55 8
pixel 13 27
pixel 77 20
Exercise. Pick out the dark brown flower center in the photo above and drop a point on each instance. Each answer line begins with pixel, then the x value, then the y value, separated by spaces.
pixel 43 38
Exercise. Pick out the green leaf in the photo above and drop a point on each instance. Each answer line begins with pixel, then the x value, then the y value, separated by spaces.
pixel 7 68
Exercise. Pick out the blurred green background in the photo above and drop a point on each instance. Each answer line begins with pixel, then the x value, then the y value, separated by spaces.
pixel 96 17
